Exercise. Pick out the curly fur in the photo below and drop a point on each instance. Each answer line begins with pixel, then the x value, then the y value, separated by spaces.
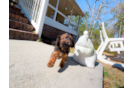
pixel 61 50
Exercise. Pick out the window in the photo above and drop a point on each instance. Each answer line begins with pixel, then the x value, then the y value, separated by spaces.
pixel 62 20
pixel 53 2
pixel 62 14
pixel 50 12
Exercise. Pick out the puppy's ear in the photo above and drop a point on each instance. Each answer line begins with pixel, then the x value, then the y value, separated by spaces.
pixel 57 41
pixel 72 45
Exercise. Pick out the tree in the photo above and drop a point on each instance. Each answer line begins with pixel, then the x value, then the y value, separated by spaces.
pixel 86 19
pixel 84 22
pixel 92 14
pixel 96 38
pixel 118 12
pixel 96 14
pixel 93 18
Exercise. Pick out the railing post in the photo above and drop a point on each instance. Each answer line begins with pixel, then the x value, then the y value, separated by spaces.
pixel 102 48
pixel 78 29
pixel 41 18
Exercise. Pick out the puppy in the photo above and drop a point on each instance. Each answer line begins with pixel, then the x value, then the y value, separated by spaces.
pixel 61 50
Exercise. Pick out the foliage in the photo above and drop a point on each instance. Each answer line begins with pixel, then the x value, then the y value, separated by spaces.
pixel 110 33
pixel 72 50
pixel 118 12
pixel 83 25
pixel 35 32
pixel 98 17
pixel 96 38
pixel 39 39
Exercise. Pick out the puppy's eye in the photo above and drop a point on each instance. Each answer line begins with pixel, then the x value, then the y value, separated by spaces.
pixel 63 38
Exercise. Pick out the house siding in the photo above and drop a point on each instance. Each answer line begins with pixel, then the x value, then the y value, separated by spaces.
pixel 51 33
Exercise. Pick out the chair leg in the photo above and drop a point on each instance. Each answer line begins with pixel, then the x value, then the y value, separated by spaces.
pixel 102 49
pixel 99 47
pixel 119 54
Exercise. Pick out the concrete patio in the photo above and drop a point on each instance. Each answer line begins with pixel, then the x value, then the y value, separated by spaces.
pixel 28 68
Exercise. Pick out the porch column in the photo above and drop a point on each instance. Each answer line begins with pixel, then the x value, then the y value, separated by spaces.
pixel 78 28
pixel 78 25
pixel 41 19
pixel 70 16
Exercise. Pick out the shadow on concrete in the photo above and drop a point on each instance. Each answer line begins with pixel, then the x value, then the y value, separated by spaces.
pixel 71 62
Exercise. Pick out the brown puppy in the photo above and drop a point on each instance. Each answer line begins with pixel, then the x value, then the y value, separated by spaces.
pixel 61 50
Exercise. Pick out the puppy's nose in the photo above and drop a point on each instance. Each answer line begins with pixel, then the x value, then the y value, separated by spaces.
pixel 67 42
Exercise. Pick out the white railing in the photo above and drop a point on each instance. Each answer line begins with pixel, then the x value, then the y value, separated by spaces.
pixel 116 47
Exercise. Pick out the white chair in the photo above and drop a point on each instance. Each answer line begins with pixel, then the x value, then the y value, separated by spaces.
pixel 116 47
pixel 112 44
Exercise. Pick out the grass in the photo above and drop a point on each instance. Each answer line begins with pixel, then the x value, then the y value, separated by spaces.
pixel 72 50
pixel 113 77
pixel 39 40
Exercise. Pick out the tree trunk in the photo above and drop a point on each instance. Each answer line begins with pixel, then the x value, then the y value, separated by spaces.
pixel 92 17
pixel 89 5
pixel 120 30
pixel 97 17
pixel 103 14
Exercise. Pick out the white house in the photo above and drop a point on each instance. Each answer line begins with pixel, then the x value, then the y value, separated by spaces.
pixel 50 17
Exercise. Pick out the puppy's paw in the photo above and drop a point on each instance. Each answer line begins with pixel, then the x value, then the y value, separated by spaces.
pixel 61 65
pixel 50 64
pixel 58 58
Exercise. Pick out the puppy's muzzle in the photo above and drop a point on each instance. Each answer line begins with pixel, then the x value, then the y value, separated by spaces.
pixel 64 45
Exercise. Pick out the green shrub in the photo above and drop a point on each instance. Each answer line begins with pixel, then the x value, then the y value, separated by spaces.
pixel 96 47
pixel 39 39
pixel 106 74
